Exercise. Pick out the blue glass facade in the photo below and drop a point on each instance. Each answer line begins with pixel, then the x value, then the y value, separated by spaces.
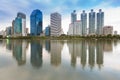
pixel 36 54
pixel 18 25
pixel 36 20
pixel 47 31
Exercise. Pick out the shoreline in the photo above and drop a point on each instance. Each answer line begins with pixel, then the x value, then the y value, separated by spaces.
pixel 64 37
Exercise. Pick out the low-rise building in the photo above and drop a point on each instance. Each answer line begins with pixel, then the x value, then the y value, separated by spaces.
pixel 8 31
pixel 108 30
pixel 115 32
pixel 47 31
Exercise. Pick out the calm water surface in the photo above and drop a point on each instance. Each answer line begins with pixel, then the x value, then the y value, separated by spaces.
pixel 59 60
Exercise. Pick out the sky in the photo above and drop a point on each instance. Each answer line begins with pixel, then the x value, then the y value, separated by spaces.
pixel 10 8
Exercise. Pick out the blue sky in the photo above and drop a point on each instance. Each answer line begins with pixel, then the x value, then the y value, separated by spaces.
pixel 9 9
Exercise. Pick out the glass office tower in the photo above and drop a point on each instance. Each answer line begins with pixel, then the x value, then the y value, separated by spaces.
pixel 23 17
pixel 36 20
pixel 18 26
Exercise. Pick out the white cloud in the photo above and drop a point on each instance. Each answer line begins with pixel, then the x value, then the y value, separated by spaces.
pixel 112 17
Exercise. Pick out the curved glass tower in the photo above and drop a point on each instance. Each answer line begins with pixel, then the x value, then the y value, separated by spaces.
pixel 36 19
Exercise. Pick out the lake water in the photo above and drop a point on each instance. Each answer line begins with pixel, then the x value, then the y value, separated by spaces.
pixel 59 59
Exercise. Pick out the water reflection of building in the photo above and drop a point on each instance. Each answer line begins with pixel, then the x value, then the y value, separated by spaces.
pixel 75 50
pixel 8 44
pixel 2 43
pixel 115 42
pixel 47 45
pixel 99 53
pixel 36 54
pixel 78 49
pixel 84 53
pixel 19 51
pixel 108 47
pixel 91 52
pixel 56 47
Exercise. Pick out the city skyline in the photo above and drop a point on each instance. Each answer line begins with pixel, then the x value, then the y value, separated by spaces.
pixel 110 7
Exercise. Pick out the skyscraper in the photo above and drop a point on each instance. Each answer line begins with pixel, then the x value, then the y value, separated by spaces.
pixel 19 25
pixel 36 20
pixel 13 27
pixel 77 28
pixel 100 22
pixel 84 23
pixel 23 18
pixel 92 22
pixel 73 16
pixel 55 21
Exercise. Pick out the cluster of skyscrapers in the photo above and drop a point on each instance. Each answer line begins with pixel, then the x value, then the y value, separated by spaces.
pixel 87 25
pixel 95 26
pixel 36 25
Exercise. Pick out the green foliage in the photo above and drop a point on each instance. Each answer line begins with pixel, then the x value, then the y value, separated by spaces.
pixel 66 37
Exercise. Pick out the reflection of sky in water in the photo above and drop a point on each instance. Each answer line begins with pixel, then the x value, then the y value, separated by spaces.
pixel 59 60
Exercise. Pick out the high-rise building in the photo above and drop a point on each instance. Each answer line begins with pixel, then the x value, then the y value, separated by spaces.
pixel 100 22
pixel 75 28
pixel 73 16
pixel 84 23
pixel 19 25
pixel 23 18
pixel 92 22
pixel 55 22
pixel 13 27
pixel 36 20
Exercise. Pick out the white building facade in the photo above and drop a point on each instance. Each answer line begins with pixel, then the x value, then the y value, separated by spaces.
pixel 55 22
pixel 108 30
pixel 75 28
